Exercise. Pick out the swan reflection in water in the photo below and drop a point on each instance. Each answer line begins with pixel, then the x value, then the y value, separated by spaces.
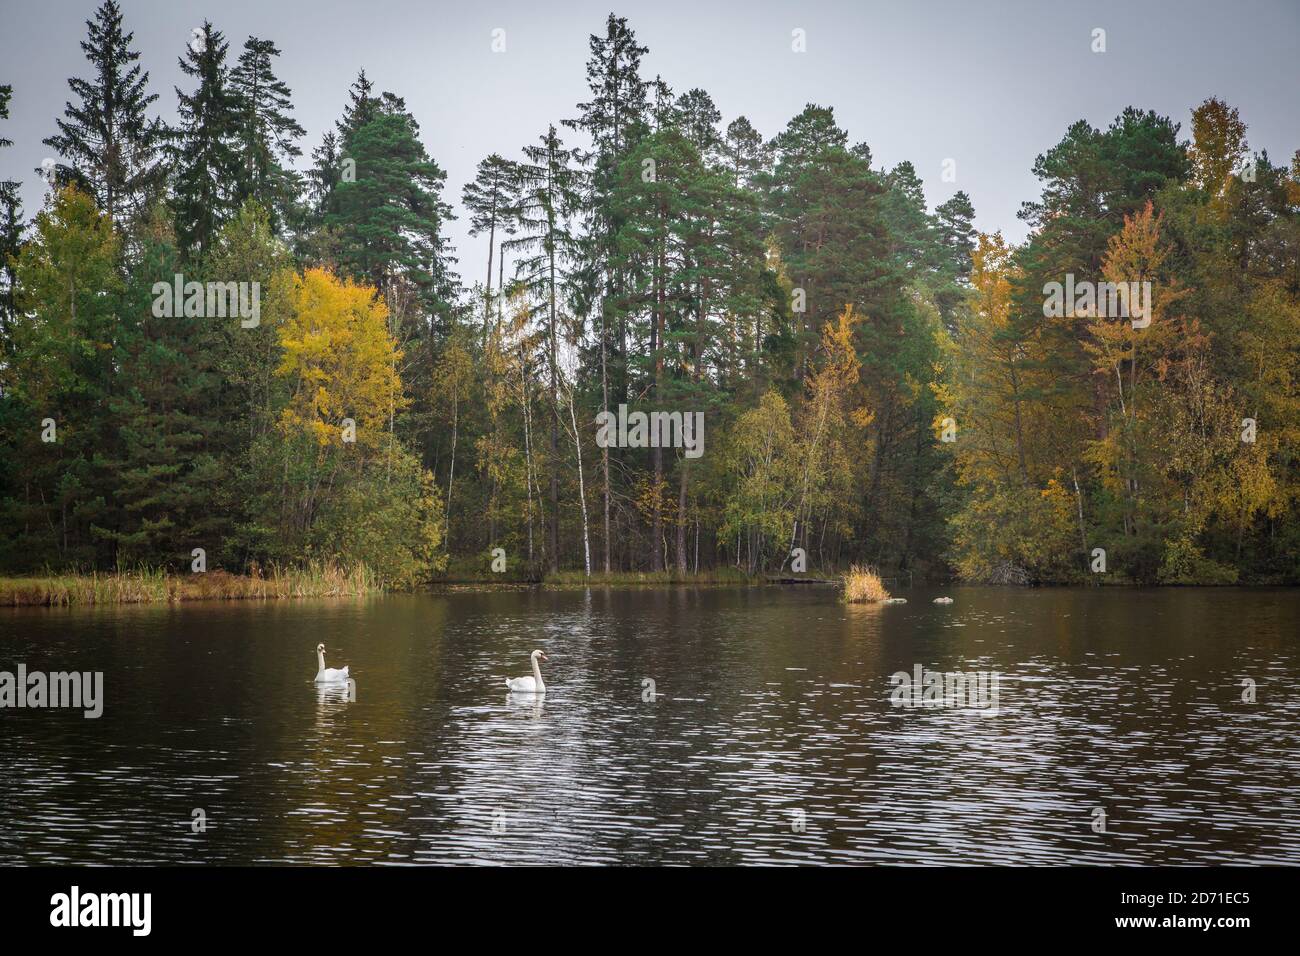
pixel 333 698
pixel 525 703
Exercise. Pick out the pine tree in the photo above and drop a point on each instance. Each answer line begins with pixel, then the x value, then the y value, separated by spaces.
pixel 108 142
pixel 697 117
pixel 548 195
pixel 810 134
pixel 746 154
pixel 954 222
pixel 208 173
pixel 1092 180
pixel 389 218
pixel 490 199
pixel 955 242
pixel 904 210
pixel 268 133
pixel 828 215
pixel 11 230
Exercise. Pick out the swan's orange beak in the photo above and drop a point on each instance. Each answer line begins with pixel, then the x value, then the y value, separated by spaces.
pixel 545 658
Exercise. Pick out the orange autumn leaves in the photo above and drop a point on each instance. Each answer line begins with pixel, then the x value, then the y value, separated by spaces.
pixel 340 359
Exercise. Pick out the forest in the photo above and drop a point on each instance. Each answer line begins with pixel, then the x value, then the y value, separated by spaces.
pixel 879 383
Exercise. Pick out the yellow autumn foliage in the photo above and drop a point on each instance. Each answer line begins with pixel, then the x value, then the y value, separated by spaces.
pixel 341 360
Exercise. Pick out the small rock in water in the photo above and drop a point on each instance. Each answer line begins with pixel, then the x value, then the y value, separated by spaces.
pixel 896 601
pixel 943 600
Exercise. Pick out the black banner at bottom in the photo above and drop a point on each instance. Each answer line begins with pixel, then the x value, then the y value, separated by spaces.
pixel 191 903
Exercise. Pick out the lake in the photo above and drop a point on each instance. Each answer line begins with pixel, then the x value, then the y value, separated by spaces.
pixel 768 736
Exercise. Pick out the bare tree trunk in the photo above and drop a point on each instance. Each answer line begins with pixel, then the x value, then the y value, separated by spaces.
pixel 1078 497
pixel 604 452
pixel 487 290
pixel 681 521
pixel 501 282
pixel 657 454
pixel 525 404
pixel 582 487
pixel 451 471
pixel 554 527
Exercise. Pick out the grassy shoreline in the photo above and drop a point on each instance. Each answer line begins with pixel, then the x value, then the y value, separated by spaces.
pixel 149 586
pixel 717 577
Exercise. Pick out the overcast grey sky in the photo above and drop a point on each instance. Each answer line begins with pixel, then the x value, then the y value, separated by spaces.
pixel 990 85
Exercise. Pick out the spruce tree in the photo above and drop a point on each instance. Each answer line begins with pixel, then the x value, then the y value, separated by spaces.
pixel 166 473
pixel 68 318
pixel 362 108
pixel 324 175
pixel 614 118
pixel 107 141
pixel 903 207
pixel 548 186
pixel 657 228
pixel 332 163
pixel 209 174
pixel 268 133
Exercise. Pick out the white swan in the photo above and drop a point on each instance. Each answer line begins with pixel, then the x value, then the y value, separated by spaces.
pixel 943 600
pixel 327 675
pixel 529 685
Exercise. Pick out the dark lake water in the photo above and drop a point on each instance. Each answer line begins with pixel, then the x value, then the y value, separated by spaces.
pixel 771 737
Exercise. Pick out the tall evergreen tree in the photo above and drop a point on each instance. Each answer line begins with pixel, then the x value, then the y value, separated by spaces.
pixel 390 216
pixel 698 118
pixel 614 119
pixel 746 154
pixel 208 171
pixel 954 222
pixel 332 163
pixel 108 142
pixel 166 470
pixel 1092 179
pixel 830 220
pixel 11 230
pixel 362 107
pixel 549 195
pixel 268 133
pixel 62 372
pixel 903 206
pixel 324 174
pixel 490 198
pixel 955 235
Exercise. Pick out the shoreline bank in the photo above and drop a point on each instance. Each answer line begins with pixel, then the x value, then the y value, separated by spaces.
pixel 149 587
pixel 159 587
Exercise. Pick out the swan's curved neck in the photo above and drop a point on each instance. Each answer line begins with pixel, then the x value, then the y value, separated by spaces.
pixel 320 660
pixel 537 674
